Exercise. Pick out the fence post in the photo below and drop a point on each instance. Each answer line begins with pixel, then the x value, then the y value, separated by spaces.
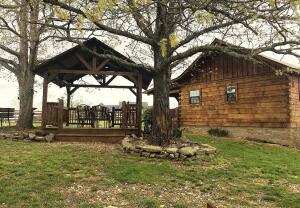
pixel 124 115
pixel 60 113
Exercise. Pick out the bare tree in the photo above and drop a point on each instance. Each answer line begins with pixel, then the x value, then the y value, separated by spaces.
pixel 23 34
pixel 174 30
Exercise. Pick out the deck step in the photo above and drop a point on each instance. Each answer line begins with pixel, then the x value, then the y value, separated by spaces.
pixel 112 131
pixel 89 138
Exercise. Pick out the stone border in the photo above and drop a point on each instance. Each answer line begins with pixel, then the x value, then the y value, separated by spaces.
pixel 185 151
pixel 28 136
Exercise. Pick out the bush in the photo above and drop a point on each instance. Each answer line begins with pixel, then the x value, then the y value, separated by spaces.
pixel 177 133
pixel 147 114
pixel 218 132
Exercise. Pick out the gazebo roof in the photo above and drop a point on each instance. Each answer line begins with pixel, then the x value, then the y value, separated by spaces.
pixel 78 59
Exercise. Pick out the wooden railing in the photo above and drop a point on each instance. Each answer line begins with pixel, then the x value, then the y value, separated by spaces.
pixel 54 114
pixel 126 117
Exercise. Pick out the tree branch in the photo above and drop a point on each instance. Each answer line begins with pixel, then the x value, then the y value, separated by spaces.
pixel 101 26
pixel 9 65
pixel 10 51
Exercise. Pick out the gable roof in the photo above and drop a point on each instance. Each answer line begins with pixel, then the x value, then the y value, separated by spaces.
pixel 291 69
pixel 67 60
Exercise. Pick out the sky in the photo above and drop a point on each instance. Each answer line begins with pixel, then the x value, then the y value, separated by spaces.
pixel 9 94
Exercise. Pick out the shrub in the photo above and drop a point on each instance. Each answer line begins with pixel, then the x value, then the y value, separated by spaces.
pixel 147 114
pixel 218 132
pixel 177 133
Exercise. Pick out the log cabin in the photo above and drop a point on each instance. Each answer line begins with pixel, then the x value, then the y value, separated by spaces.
pixel 256 98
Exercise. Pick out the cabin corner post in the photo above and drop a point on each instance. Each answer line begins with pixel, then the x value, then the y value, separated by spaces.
pixel 44 102
pixel 139 105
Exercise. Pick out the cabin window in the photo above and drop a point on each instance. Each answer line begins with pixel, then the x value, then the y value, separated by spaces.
pixel 231 93
pixel 195 97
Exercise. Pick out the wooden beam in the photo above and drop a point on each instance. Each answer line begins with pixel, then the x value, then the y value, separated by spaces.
pixel 132 90
pixel 139 105
pixel 100 67
pixel 85 63
pixel 73 90
pixel 110 80
pixel 60 113
pixel 51 77
pixel 66 71
pixel 44 102
pixel 133 79
pixel 102 86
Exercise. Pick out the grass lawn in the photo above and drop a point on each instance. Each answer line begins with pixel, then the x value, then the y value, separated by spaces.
pixel 242 174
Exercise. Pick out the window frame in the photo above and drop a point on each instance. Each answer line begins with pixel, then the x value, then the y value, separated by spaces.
pixel 236 93
pixel 199 97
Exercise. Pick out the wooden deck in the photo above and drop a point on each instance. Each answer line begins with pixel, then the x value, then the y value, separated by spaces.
pixel 106 135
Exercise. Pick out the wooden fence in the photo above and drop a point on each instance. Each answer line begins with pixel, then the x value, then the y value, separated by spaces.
pixel 36 116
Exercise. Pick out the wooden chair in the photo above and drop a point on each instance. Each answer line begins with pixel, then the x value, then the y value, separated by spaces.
pixel 83 115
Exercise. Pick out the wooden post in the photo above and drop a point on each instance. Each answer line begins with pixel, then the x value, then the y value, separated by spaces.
pixel 124 115
pixel 139 104
pixel 68 102
pixel 44 103
pixel 60 113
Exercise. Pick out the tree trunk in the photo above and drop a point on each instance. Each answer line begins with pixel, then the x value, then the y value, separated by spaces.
pixel 161 129
pixel 26 82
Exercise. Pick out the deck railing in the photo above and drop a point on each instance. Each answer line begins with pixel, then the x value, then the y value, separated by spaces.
pixel 96 116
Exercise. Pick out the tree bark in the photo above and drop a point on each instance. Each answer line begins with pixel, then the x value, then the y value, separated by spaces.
pixel 161 134
pixel 27 59
pixel 26 82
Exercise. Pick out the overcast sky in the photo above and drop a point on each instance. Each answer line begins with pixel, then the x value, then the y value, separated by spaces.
pixel 9 94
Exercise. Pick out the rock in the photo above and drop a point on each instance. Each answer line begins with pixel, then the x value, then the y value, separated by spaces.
pixel 127 145
pixel 152 155
pixel 31 136
pixel 201 152
pixel 171 150
pixel 172 156
pixel 39 138
pixel 152 148
pixel 17 136
pixel 188 151
pixel 183 157
pixel 210 151
pixel 25 135
pixel 40 132
pixel 50 137
pixel 145 154
pixel 2 136
pixel 134 137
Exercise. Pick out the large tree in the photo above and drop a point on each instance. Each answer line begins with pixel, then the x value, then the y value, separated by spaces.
pixel 171 31
pixel 21 34
pixel 24 38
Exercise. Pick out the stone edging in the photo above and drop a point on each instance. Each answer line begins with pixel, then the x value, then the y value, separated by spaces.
pixel 186 151
pixel 28 136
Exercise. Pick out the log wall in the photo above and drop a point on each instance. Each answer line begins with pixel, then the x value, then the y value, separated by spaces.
pixel 262 97
pixel 294 105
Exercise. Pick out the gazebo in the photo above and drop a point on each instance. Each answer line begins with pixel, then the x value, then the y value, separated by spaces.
pixel 70 66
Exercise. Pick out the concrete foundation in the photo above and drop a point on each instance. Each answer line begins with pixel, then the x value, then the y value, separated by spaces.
pixel 283 136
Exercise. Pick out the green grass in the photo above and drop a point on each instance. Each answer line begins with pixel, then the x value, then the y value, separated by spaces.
pixel 242 174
